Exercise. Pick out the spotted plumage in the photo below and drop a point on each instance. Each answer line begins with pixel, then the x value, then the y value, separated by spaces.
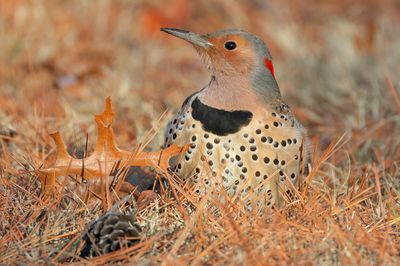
pixel 243 138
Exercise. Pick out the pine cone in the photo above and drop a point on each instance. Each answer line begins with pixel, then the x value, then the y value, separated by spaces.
pixel 108 233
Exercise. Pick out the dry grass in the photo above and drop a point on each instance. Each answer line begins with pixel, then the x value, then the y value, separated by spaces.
pixel 337 65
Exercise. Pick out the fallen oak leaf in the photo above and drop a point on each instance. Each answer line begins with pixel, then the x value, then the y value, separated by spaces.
pixel 91 167
pixel 104 158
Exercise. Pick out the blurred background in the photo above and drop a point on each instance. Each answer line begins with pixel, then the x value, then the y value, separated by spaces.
pixel 337 65
pixel 334 62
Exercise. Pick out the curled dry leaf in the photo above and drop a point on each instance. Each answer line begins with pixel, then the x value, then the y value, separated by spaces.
pixel 145 198
pixel 105 159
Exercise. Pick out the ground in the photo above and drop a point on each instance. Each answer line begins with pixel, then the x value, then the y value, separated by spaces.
pixel 337 64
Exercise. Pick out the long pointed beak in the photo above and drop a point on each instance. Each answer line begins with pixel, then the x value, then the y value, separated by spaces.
pixel 193 38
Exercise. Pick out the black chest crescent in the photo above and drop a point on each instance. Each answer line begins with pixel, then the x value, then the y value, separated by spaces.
pixel 219 122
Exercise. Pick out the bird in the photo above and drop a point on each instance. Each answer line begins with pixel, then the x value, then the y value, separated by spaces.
pixel 244 139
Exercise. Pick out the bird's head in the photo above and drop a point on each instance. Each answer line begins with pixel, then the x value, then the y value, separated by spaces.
pixel 233 53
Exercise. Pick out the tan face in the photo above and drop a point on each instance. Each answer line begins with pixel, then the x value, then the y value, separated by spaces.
pixel 224 52
pixel 231 53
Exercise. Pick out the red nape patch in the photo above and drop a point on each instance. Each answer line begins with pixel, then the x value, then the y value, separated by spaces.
pixel 270 66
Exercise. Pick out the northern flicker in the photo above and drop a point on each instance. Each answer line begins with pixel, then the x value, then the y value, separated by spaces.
pixel 243 137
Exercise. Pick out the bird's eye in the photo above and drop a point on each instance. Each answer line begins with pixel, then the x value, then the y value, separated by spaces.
pixel 230 45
